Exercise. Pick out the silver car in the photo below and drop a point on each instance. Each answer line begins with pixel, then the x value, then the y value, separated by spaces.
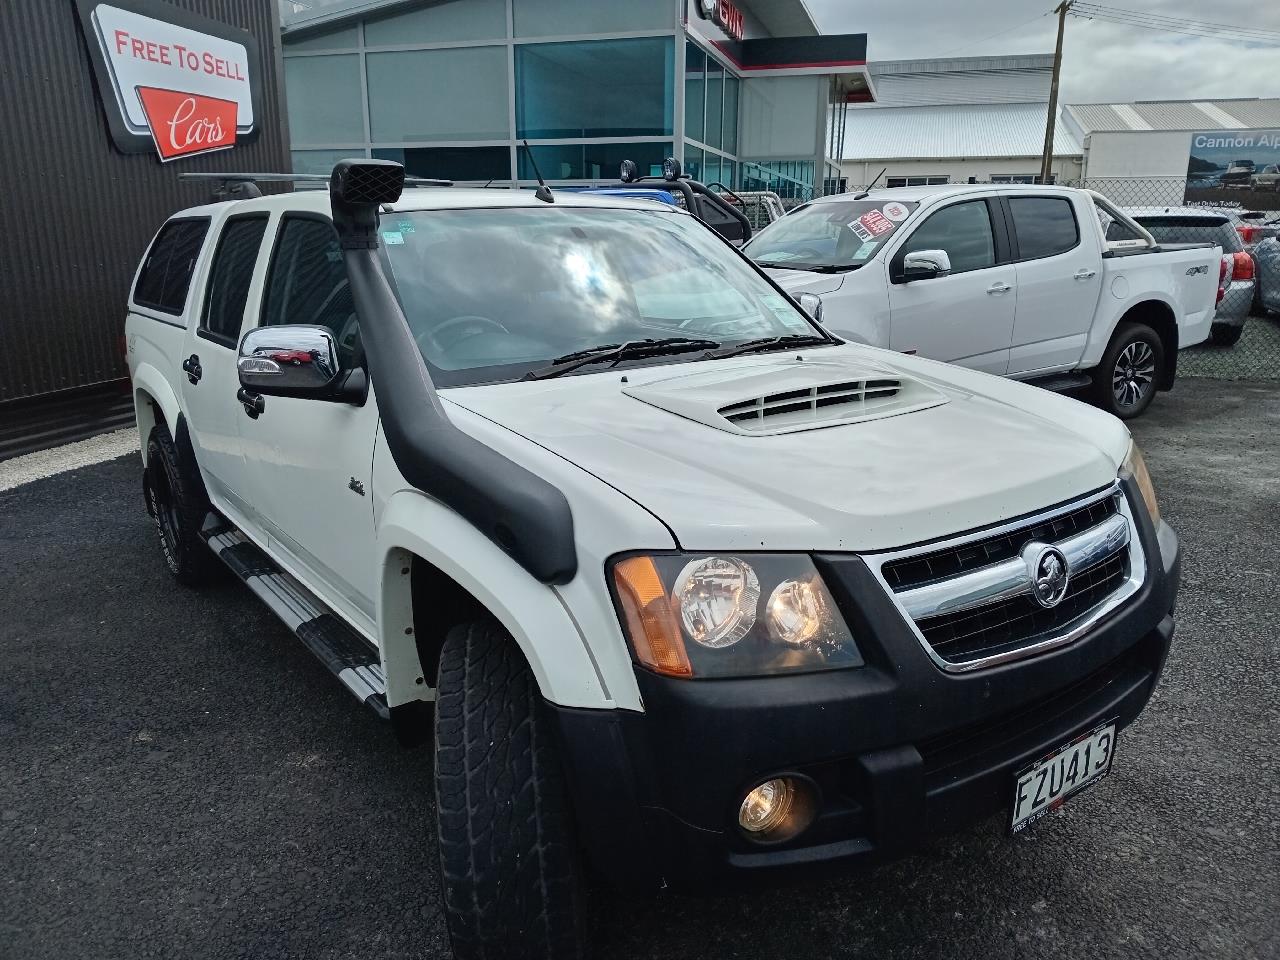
pixel 1207 225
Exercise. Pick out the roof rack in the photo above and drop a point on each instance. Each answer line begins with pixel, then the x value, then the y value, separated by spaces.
pixel 244 186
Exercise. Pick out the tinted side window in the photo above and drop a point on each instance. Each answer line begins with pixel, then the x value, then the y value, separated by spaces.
pixel 166 275
pixel 307 283
pixel 1045 226
pixel 229 276
pixel 963 230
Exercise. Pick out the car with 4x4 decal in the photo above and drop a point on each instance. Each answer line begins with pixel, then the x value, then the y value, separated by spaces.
pixel 676 585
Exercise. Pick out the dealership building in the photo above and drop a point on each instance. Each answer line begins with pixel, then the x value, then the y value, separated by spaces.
pixel 739 91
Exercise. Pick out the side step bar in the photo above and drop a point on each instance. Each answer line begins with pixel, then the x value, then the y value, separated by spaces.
pixel 350 657
pixel 1061 382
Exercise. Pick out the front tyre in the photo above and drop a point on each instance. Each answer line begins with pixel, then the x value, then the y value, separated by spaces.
pixel 508 856
pixel 1124 383
pixel 177 502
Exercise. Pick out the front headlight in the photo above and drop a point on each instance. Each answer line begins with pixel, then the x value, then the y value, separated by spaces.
pixel 1136 467
pixel 730 616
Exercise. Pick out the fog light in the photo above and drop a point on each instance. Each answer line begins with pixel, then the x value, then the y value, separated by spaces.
pixel 765 808
pixel 778 809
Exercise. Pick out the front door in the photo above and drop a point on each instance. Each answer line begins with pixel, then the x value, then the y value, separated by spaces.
pixel 209 379
pixel 966 317
pixel 312 460
pixel 1059 281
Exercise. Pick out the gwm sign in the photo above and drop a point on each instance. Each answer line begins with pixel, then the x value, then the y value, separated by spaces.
pixel 725 15
pixel 171 81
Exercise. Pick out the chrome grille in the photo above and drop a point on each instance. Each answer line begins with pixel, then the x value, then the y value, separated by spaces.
pixel 970 600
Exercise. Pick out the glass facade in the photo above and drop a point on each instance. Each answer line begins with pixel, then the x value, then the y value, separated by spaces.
pixel 452 88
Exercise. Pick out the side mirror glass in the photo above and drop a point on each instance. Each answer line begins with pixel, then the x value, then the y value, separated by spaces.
pixel 290 361
pixel 925 265
pixel 811 304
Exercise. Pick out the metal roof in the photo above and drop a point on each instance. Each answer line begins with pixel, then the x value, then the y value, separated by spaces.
pixel 1176 115
pixel 1013 79
pixel 949 131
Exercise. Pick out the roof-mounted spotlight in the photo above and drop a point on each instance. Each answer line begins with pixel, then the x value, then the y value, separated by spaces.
pixel 629 172
pixel 671 169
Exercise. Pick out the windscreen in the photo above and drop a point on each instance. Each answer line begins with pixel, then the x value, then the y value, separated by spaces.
pixel 829 236
pixel 1193 230
pixel 491 294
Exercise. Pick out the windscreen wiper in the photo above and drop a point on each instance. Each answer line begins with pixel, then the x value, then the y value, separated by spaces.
pixel 770 343
pixel 808 267
pixel 617 352
pixel 833 267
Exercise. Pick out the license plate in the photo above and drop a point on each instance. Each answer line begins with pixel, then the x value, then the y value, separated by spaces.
pixel 1046 784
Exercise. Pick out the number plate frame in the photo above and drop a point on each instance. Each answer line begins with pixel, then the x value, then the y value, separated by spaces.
pixel 1032 771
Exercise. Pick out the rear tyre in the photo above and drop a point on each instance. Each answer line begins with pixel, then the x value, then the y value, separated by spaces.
pixel 1124 383
pixel 1225 335
pixel 177 502
pixel 509 863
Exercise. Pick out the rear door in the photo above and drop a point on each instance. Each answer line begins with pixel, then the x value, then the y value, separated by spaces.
pixel 312 460
pixel 1059 280
pixel 966 317
pixel 208 375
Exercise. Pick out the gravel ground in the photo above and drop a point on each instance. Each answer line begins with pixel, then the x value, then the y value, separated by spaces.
pixel 180 779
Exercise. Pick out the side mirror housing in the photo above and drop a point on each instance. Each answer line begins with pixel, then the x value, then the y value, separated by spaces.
pixel 811 304
pixel 924 265
pixel 297 361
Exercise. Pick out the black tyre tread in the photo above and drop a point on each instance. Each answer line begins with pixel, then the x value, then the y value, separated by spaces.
pixel 1225 335
pixel 1101 390
pixel 190 560
pixel 511 878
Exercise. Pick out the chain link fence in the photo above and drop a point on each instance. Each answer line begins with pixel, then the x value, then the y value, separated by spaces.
pixel 1244 220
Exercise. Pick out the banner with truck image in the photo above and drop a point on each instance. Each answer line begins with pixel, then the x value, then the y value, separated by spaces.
pixel 1234 168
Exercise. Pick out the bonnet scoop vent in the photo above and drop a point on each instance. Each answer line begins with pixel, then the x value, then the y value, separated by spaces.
pixel 823 400
pixel 788 395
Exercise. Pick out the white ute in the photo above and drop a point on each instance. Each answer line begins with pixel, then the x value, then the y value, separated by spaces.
pixel 1013 280
pixel 674 583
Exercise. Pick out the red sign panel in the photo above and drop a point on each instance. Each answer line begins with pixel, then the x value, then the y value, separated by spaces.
pixel 183 124
pixel 876 222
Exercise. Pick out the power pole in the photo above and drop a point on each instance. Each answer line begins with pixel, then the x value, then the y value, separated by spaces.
pixel 1046 161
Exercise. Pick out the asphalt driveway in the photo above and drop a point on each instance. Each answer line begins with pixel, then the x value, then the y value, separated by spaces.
pixel 178 778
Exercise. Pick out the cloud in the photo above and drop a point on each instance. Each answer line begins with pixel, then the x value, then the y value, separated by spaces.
pixel 1101 61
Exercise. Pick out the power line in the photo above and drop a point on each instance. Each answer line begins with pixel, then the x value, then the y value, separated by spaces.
pixel 974 43
pixel 1180 25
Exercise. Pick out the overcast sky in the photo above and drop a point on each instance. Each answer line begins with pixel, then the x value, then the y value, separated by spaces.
pixel 1100 61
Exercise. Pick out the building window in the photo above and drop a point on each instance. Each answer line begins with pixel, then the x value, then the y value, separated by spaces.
pixel 324 99
pixel 341 39
pixel 715 103
pixel 451 163
pixel 693 161
pixel 595 88
pixel 730 141
pixel 322 161
pixel 562 18
pixel 915 181
pixel 456 94
pixel 591 161
pixel 695 90
pixel 453 22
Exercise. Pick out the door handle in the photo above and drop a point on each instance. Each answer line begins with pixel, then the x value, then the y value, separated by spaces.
pixel 999 287
pixel 252 402
pixel 191 366
pixel 1085 274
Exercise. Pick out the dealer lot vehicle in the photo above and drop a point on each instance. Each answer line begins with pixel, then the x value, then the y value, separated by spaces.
pixel 678 584
pixel 1237 273
pixel 1268 178
pixel 1267 257
pixel 1013 280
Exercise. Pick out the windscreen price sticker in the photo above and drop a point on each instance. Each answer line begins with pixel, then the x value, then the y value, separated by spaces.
pixel 876 223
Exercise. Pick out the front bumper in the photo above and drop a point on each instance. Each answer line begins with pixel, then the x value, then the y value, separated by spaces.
pixel 900 751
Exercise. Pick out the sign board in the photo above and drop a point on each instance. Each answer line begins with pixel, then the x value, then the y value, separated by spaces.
pixel 725 15
pixel 1234 168
pixel 169 80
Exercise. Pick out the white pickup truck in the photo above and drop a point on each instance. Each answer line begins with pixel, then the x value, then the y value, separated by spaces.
pixel 673 582
pixel 1013 280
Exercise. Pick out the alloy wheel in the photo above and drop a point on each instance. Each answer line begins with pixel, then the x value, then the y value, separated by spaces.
pixel 1134 374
